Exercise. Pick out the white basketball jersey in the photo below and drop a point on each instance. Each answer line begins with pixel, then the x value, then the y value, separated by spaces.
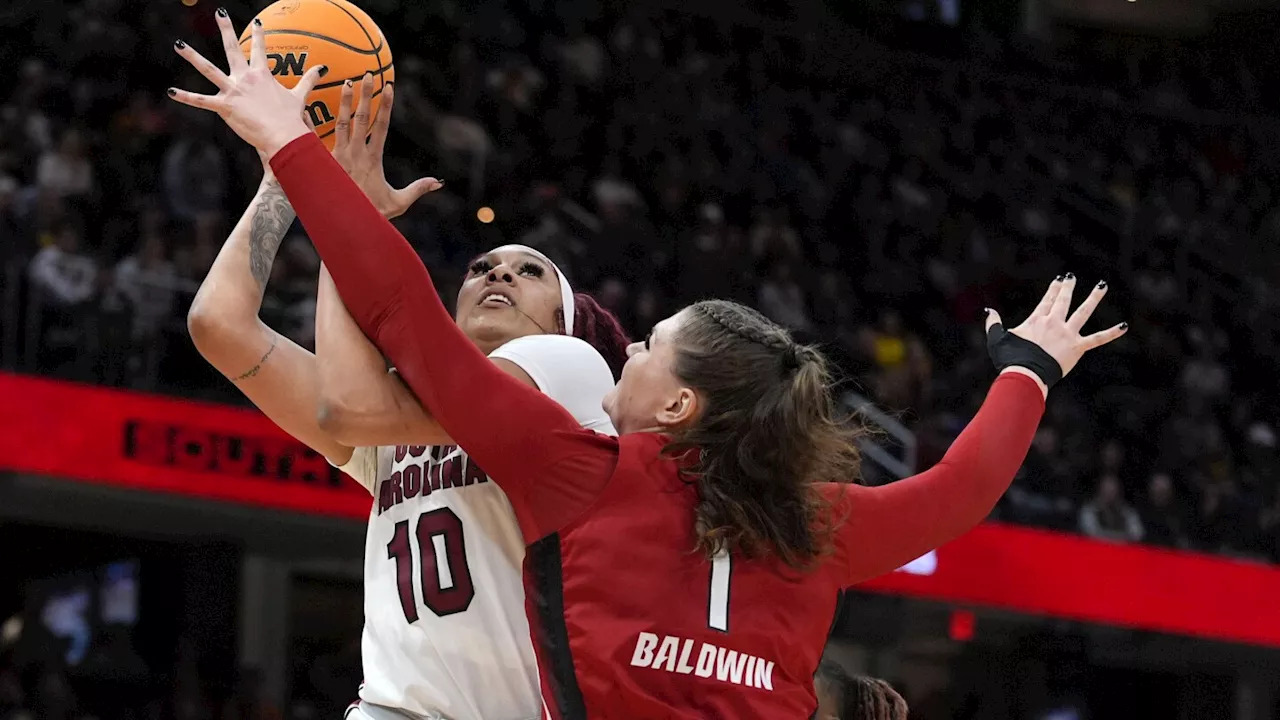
pixel 445 632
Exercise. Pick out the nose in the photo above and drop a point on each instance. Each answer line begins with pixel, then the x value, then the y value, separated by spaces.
pixel 634 348
pixel 500 273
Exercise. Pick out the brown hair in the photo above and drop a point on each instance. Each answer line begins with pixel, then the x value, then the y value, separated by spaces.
pixel 861 697
pixel 768 432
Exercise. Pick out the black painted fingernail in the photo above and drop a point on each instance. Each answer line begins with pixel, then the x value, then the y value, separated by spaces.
pixel 1124 326
pixel 1102 285
pixel 222 12
pixel 257 21
pixel 324 70
pixel 1060 278
pixel 179 44
pixel 172 92
pixel 1071 276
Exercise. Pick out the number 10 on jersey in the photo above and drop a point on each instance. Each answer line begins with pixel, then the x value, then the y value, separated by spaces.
pixel 443 574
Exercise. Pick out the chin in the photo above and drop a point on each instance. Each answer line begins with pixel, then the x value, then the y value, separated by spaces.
pixel 488 327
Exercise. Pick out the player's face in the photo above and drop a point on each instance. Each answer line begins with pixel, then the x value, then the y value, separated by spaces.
pixel 650 396
pixel 508 294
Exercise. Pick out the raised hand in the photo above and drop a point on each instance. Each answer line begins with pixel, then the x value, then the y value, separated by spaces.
pixel 260 110
pixel 363 160
pixel 1055 330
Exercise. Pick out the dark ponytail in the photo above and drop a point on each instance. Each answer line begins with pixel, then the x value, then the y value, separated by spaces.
pixel 860 697
pixel 769 431
pixel 601 329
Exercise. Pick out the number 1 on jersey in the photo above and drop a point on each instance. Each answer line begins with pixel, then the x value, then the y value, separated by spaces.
pixel 443 574
pixel 718 601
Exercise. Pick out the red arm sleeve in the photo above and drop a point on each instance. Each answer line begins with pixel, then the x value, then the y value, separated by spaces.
pixel 519 436
pixel 887 526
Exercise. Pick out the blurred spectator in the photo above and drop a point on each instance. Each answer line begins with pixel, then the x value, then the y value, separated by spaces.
pixel 65 276
pixel 902 370
pixel 195 177
pixel 1107 516
pixel 67 170
pixel 1204 376
pixel 143 284
pixel 16 243
pixel 1042 490
pixel 1163 520
pixel 781 299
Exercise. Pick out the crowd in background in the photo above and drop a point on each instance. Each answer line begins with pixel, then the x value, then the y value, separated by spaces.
pixel 870 198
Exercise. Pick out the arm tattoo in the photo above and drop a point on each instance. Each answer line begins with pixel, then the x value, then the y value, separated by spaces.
pixel 262 361
pixel 272 217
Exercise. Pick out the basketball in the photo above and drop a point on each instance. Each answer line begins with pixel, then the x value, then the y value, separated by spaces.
pixel 301 34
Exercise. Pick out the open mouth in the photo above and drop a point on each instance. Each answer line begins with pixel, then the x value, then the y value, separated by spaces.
pixel 496 299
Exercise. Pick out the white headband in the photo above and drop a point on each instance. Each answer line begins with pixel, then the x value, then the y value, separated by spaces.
pixel 566 291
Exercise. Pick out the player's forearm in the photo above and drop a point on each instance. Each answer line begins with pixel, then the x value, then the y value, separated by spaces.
pixel 390 295
pixel 273 372
pixel 361 403
pixel 223 319
pixel 893 524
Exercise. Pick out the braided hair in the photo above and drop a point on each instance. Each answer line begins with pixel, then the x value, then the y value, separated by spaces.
pixel 601 329
pixel 769 431
pixel 860 697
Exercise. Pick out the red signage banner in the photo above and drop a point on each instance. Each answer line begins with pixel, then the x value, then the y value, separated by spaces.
pixel 217 452
pixel 161 444
pixel 1058 575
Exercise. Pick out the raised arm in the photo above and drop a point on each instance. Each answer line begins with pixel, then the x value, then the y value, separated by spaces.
pixel 521 438
pixel 361 403
pixel 886 527
pixel 274 372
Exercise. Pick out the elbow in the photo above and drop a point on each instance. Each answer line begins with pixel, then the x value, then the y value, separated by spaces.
pixel 333 419
pixel 203 325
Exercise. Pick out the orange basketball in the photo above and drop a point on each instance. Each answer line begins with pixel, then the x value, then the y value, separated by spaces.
pixel 301 34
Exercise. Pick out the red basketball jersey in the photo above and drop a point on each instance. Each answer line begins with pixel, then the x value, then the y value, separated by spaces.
pixel 630 622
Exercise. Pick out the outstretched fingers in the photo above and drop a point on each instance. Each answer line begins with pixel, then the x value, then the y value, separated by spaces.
pixel 230 44
pixel 257 45
pixel 1085 311
pixel 1046 302
pixel 309 80
pixel 1102 337
pixel 1062 302
pixel 993 319
pixel 204 102
pixel 342 126
pixel 360 121
pixel 382 122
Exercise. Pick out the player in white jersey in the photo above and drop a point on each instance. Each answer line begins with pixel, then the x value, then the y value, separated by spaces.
pixel 445 630
pixel 442 559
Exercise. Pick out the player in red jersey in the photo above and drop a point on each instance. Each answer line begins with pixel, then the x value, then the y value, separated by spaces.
pixel 688 568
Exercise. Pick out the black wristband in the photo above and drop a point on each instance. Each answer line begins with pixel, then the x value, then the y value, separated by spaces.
pixel 1007 350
